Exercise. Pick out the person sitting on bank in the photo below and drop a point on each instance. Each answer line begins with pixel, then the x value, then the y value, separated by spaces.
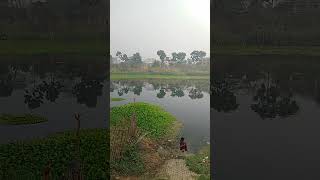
pixel 183 145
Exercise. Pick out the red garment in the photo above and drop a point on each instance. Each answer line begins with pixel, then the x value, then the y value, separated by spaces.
pixel 183 146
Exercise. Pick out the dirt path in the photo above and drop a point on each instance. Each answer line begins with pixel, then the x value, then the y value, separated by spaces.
pixel 176 169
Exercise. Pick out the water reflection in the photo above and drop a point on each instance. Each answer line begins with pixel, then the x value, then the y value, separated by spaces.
pixel 270 103
pixel 273 91
pixel 87 92
pixel 280 88
pixel 6 87
pixel 179 97
pixel 174 89
pixel 195 93
pixel 44 80
pixel 223 99
pixel 177 92
pixel 55 88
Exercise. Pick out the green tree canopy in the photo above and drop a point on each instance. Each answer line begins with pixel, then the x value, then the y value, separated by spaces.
pixel 162 55
pixel 197 56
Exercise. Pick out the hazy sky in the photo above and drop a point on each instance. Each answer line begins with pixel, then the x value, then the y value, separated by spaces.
pixel 146 26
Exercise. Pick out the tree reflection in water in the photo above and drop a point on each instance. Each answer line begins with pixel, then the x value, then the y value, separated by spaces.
pixel 51 89
pixel 162 88
pixel 270 102
pixel 161 94
pixel 34 97
pixel 195 93
pixel 6 87
pixel 223 99
pixel 87 92
pixel 177 92
pixel 137 90
pixel 43 80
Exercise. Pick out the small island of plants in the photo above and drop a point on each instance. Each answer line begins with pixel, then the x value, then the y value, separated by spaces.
pixel 8 119
pixel 117 99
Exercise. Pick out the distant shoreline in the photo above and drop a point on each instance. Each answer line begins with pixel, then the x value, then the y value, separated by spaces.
pixel 119 76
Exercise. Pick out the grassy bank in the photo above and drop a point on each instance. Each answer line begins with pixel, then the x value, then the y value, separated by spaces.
pixel 8 119
pixel 200 163
pixel 27 160
pixel 38 47
pixel 141 156
pixel 119 76
pixel 151 118
pixel 265 50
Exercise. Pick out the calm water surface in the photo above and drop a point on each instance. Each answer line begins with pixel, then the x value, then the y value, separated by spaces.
pixel 269 132
pixel 68 85
pixel 189 101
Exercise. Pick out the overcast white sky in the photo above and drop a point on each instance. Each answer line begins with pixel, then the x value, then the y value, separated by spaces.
pixel 146 26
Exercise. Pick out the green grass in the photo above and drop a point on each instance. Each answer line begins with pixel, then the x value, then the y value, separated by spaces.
pixel 8 119
pixel 204 177
pixel 150 118
pixel 266 50
pixel 26 160
pixel 200 162
pixel 119 76
pixel 34 47
pixel 130 164
pixel 117 99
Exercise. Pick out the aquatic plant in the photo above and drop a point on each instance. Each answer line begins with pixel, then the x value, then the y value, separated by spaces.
pixel 25 160
pixel 150 118
pixel 10 119
pixel 117 99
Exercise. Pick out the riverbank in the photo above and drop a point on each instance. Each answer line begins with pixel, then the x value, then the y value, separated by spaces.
pixel 265 50
pixel 156 152
pixel 157 132
pixel 119 76
pixel 199 163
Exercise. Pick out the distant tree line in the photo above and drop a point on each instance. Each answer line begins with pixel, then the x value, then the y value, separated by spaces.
pixel 196 57
pixel 135 59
